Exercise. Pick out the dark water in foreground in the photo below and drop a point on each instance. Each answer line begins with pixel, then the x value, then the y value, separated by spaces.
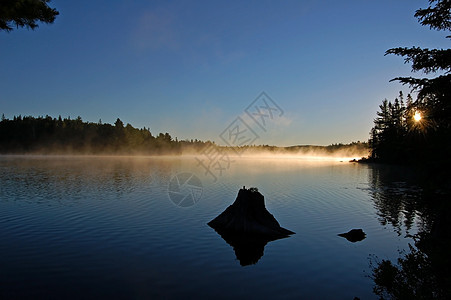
pixel 98 227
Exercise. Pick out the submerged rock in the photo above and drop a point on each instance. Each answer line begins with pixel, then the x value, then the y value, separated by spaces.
pixel 248 215
pixel 354 235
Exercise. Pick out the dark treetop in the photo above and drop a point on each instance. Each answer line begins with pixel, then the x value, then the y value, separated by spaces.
pixel 25 13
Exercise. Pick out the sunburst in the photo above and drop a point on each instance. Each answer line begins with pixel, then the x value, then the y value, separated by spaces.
pixel 417 116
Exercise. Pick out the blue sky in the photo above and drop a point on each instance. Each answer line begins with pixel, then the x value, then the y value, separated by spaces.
pixel 191 67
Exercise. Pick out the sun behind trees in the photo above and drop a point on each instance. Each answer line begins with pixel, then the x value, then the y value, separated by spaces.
pixel 420 131
pixel 399 132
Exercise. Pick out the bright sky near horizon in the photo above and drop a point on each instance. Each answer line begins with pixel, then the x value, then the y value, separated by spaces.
pixel 191 67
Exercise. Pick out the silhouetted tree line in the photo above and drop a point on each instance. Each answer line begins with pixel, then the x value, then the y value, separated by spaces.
pixel 58 135
pixel 351 149
pixel 74 136
pixel 420 130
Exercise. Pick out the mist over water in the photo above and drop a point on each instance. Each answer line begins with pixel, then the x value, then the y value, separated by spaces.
pixel 97 226
pixel 306 152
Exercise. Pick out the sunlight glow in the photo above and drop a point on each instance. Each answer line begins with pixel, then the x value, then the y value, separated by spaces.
pixel 417 116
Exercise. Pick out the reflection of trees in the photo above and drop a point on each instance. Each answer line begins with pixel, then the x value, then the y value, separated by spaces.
pixel 396 199
pixel 411 278
pixel 423 272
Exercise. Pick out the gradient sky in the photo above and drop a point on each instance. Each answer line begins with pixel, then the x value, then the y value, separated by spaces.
pixel 191 67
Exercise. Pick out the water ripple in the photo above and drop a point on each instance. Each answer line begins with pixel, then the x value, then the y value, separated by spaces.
pixel 108 224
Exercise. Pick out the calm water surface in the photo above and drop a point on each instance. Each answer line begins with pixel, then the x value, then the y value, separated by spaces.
pixel 91 227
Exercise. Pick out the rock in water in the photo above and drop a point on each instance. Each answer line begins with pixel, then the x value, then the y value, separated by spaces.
pixel 248 216
pixel 354 235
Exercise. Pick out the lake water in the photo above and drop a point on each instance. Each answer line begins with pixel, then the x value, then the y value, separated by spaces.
pixel 98 227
